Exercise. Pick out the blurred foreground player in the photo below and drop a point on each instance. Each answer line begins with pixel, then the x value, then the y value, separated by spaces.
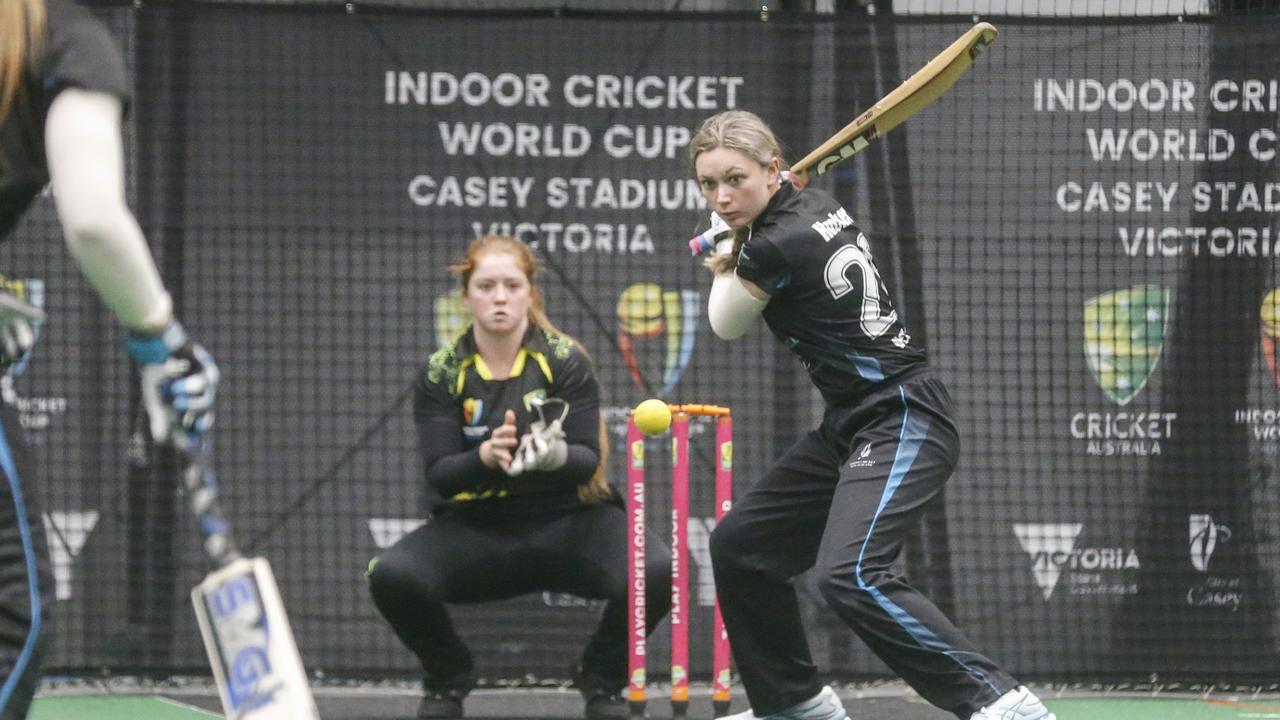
pixel 62 96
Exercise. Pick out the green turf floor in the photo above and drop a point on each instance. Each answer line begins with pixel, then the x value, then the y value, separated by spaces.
pixel 496 705
pixel 1161 709
pixel 115 707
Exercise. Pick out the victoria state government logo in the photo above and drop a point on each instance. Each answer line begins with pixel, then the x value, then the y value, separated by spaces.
pixel 1124 334
pixel 1054 556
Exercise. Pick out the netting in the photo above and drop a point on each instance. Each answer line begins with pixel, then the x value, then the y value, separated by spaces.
pixel 1082 230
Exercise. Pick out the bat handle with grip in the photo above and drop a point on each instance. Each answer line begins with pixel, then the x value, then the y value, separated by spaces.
pixel 702 244
pixel 799 176
pixel 201 487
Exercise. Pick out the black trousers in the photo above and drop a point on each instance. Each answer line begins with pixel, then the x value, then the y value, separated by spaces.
pixel 467 557
pixel 843 499
pixel 26 582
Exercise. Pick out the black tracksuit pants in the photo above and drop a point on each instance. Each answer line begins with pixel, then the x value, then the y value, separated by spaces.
pixel 26 582
pixel 843 499
pixel 463 556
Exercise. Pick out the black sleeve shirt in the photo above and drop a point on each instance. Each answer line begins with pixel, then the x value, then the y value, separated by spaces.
pixel 827 301
pixel 458 404
pixel 77 51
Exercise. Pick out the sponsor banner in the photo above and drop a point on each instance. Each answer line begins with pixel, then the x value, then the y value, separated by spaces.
pixel 1082 232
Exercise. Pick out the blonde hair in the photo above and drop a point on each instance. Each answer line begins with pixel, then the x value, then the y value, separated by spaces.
pixel 596 489
pixel 745 132
pixel 736 130
pixel 22 24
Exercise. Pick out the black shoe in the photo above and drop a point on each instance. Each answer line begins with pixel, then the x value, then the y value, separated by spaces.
pixel 601 703
pixel 604 705
pixel 441 704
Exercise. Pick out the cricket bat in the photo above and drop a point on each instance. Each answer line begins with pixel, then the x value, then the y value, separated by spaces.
pixel 242 618
pixel 909 98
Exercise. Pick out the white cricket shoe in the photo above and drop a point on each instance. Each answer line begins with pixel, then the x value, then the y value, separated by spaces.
pixel 1019 704
pixel 825 705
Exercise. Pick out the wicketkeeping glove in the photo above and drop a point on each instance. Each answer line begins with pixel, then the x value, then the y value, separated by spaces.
pixel 544 446
pixel 179 381
pixel 17 336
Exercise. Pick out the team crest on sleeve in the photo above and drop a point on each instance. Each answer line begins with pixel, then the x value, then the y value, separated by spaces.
pixel 529 397
pixel 442 366
pixel 561 346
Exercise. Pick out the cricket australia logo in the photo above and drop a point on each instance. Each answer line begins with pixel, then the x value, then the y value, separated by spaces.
pixel 1123 337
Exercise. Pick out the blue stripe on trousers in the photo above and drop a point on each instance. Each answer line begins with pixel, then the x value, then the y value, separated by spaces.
pixel 914 431
pixel 28 551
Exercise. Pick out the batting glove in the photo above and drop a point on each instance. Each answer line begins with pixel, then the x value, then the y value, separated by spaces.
pixel 713 238
pixel 543 447
pixel 179 381
pixel 17 334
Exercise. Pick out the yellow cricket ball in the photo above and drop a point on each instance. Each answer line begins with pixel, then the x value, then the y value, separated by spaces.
pixel 653 417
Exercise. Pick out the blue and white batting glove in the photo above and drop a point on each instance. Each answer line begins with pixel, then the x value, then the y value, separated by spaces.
pixel 179 381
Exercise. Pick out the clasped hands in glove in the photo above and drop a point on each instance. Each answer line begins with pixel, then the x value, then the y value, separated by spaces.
pixel 542 448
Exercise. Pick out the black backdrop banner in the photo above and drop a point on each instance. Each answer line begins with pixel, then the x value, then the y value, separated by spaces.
pixel 1083 228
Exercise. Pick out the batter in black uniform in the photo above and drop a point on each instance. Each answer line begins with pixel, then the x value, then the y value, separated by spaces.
pixel 843 498
pixel 62 95
pixel 508 420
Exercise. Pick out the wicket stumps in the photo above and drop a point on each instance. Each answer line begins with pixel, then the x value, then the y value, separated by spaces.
pixel 679 560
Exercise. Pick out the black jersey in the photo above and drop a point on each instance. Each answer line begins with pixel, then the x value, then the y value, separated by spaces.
pixel 827 301
pixel 78 51
pixel 458 404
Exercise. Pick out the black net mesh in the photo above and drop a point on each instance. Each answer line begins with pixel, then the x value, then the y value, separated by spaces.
pixel 1082 229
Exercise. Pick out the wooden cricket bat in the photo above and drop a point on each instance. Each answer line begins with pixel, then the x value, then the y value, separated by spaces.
pixel 242 618
pixel 909 98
